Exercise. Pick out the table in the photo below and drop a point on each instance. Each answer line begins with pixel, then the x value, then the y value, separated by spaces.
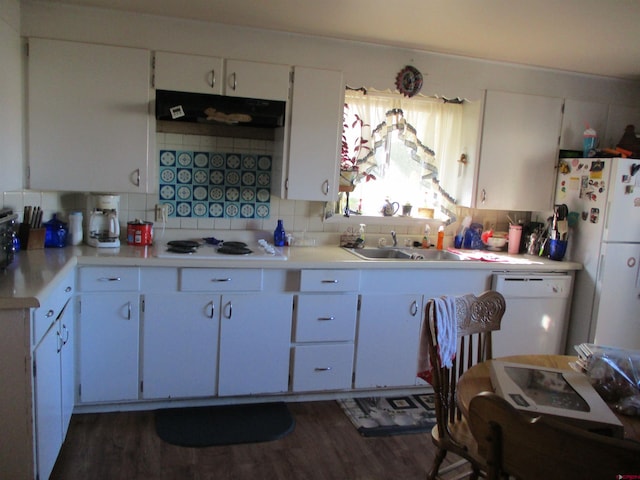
pixel 477 379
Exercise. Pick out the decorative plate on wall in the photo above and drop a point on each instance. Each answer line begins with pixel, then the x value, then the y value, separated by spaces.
pixel 409 81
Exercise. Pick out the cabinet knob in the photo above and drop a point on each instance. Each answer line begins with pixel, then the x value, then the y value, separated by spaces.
pixel 50 313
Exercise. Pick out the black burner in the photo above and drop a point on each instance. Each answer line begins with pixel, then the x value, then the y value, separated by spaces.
pixel 234 250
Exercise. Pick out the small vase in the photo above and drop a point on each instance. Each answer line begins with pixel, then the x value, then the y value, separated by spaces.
pixel 347 179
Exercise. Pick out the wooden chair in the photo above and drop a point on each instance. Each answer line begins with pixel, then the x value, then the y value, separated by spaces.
pixel 476 318
pixel 531 448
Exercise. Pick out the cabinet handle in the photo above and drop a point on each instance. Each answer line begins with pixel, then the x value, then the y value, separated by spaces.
pixel 109 279
pixel 128 310
pixel 483 196
pixel 414 308
pixel 67 290
pixel 325 187
pixel 212 310
pixel 213 78
pixel 65 339
pixel 322 369
pixel 220 279
pixel 234 84
pixel 59 346
pixel 329 281
pixel 324 319
pixel 50 313
pixel 136 177
pixel 228 308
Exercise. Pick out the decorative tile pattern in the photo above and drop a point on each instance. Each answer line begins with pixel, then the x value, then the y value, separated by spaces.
pixel 215 184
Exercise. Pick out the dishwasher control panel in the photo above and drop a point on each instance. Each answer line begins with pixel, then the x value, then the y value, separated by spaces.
pixel 532 286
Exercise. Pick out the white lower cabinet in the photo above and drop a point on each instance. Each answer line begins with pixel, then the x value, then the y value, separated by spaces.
pixel 324 334
pixel 319 367
pixel 180 345
pixel 109 325
pixel 255 340
pixel 388 333
pixel 53 391
pixel 53 373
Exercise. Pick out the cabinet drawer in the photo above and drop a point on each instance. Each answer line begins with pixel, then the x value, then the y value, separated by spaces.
pixel 109 279
pixel 220 280
pixel 52 307
pixel 325 317
pixel 329 280
pixel 322 367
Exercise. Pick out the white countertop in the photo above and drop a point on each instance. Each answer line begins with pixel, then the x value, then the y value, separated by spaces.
pixel 29 277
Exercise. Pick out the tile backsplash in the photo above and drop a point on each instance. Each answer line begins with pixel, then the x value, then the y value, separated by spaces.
pixel 195 183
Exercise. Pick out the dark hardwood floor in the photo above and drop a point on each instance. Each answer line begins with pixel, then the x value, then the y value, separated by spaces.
pixel 323 446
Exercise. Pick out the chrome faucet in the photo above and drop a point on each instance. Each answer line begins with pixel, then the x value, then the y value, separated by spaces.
pixel 395 240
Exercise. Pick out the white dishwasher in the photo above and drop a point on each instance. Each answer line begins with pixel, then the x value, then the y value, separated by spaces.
pixel 536 317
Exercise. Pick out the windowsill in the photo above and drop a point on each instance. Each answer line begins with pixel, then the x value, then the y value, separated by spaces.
pixel 380 220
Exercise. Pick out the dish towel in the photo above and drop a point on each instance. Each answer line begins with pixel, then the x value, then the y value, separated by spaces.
pixel 445 310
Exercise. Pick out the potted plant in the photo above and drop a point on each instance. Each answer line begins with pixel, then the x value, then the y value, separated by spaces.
pixel 354 146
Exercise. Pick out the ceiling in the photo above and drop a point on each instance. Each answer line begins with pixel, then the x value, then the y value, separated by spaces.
pixel 600 37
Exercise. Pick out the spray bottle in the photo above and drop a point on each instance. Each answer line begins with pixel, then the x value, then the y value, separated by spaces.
pixel 425 238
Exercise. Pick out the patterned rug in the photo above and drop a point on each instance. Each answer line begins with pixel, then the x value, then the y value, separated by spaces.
pixel 383 416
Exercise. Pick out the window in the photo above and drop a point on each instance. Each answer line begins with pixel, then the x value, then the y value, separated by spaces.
pixel 401 148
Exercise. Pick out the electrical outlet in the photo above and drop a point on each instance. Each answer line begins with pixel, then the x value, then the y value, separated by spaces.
pixel 162 211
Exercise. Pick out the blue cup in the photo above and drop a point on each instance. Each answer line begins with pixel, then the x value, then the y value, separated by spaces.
pixel 557 249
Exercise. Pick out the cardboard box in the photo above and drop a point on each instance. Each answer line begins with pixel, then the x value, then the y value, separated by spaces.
pixel 562 394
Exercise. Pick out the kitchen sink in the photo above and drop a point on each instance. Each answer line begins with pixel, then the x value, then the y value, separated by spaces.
pixel 386 253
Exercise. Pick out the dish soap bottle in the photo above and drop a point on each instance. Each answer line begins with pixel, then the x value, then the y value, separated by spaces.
pixel 425 239
pixel 440 244
pixel 360 240
pixel 279 235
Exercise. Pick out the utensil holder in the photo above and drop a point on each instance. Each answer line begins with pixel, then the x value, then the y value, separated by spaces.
pixel 31 238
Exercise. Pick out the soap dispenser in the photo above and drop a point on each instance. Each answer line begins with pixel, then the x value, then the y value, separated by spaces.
pixel 360 240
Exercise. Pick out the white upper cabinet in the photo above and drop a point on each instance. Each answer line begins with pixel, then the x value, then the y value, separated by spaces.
pixel 577 115
pixel 257 80
pixel 188 73
pixel 518 152
pixel 235 78
pixel 88 108
pixel 310 168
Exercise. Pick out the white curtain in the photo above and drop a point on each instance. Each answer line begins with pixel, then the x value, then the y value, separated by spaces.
pixel 438 126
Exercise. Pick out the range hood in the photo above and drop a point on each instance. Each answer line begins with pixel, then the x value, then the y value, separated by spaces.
pixel 218 109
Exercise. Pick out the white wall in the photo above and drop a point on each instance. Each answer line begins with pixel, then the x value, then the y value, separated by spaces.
pixel 11 88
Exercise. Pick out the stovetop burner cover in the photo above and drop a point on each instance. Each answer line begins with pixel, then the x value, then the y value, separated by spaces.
pixel 234 250
pixel 182 246
pixel 234 244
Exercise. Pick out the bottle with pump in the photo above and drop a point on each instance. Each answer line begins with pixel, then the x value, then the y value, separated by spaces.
pixel 360 240
pixel 279 235
pixel 440 244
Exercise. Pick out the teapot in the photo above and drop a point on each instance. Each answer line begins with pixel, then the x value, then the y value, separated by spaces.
pixel 389 209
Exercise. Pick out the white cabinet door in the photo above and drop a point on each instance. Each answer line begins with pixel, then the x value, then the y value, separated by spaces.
pixel 67 364
pixel 88 111
pixel 255 343
pixel 109 337
pixel 388 339
pixel 48 398
pixel 180 345
pixel 257 80
pixel 518 152
pixel 311 172
pixel 188 73
pixel 575 118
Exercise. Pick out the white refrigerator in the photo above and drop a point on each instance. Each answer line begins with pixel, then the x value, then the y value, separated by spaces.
pixel 603 196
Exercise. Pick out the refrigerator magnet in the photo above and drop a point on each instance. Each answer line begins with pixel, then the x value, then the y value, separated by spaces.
pixel 595 214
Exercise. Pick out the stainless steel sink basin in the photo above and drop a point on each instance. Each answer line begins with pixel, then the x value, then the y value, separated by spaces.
pixel 386 253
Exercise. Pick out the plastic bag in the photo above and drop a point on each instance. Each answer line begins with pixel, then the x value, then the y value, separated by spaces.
pixel 614 373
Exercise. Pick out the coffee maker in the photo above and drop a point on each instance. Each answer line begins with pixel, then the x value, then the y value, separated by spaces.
pixel 104 228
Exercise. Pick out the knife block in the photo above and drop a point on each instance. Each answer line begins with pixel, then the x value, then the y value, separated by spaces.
pixel 31 238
